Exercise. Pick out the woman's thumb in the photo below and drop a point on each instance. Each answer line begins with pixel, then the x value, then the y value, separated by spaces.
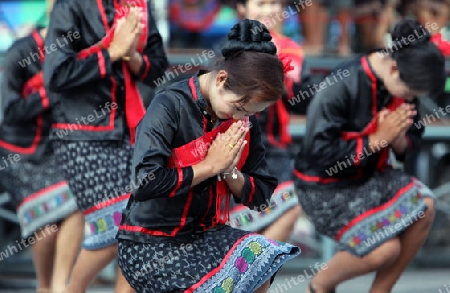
pixel 382 114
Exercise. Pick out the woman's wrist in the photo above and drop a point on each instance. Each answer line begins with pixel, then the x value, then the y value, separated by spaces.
pixel 114 53
pixel 400 144
pixel 232 174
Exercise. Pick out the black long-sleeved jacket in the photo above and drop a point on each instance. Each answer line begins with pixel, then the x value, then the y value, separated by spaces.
pixel 165 204
pixel 90 91
pixel 335 150
pixel 27 118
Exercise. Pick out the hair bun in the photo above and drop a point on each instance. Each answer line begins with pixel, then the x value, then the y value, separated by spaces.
pixel 249 35
pixel 410 33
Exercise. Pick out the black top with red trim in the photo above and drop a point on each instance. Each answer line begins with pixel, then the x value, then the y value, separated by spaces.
pixel 27 118
pixel 335 150
pixel 91 91
pixel 167 206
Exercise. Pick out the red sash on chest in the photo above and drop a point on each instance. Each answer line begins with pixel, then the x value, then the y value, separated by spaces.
pixel 134 108
pixel 195 151
pixel 372 128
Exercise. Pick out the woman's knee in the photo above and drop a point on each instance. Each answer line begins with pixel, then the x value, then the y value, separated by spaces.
pixel 384 255
pixel 109 252
pixel 294 212
pixel 427 216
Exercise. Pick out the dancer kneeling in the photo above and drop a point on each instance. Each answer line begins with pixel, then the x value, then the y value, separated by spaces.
pixel 380 216
pixel 174 236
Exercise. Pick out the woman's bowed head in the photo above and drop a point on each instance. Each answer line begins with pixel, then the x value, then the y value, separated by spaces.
pixel 416 69
pixel 248 78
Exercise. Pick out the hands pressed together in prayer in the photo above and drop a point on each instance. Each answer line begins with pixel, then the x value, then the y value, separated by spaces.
pixel 226 149
pixel 223 155
pixel 393 125
pixel 127 32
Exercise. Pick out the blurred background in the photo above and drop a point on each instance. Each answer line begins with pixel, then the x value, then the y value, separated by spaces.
pixel 329 32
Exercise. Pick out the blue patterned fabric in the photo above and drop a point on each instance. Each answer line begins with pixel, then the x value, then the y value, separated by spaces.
pixel 390 220
pixel 46 207
pixel 248 266
pixel 224 260
pixel 102 225
pixel 363 216
pixel 283 199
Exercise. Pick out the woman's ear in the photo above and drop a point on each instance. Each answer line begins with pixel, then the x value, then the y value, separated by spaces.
pixel 221 77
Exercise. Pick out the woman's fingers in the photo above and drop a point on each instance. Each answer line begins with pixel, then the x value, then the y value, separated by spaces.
pixel 233 133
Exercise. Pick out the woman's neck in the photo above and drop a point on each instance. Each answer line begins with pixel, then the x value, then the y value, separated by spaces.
pixel 204 81
pixel 376 62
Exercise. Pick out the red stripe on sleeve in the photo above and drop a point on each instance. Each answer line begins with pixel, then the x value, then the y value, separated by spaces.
pixel 359 149
pixel 252 191
pixel 147 67
pixel 180 181
pixel 101 64
pixel 44 98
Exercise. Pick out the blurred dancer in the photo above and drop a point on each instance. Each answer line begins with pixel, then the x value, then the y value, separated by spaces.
pixel 315 19
pixel 104 47
pixel 29 171
pixel 380 216
pixel 435 14
pixel 278 220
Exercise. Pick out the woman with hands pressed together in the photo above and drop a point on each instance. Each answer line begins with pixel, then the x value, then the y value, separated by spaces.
pixel 104 48
pixel 378 215
pixel 202 143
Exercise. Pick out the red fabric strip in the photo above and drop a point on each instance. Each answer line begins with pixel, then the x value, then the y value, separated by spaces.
pixel 217 269
pixel 107 203
pixel 134 107
pixel 147 67
pixel 42 192
pixel 180 181
pixel 373 211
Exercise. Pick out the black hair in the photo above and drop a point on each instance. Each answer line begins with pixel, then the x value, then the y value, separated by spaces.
pixel 419 61
pixel 249 58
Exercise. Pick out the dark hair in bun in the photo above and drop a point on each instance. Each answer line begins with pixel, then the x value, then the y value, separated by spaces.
pixel 249 35
pixel 410 33
pixel 420 63
pixel 254 70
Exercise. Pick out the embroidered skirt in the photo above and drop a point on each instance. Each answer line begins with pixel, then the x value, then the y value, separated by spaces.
pixel 362 217
pixel 39 191
pixel 99 174
pixel 283 199
pixel 224 260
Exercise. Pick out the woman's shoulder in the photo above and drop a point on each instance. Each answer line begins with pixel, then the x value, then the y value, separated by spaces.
pixel 21 52
pixel 174 95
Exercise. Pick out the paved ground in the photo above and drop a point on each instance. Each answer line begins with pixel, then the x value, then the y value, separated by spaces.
pixel 427 281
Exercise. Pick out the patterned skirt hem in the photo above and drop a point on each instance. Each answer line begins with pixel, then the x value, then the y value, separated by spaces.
pixel 375 227
pixel 102 223
pixel 251 262
pixel 283 199
pixel 46 207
